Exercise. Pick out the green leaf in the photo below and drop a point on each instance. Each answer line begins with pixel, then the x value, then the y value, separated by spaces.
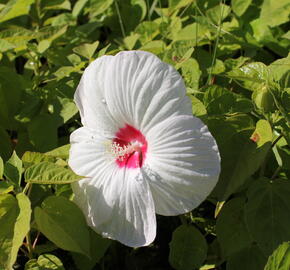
pixel 188 248
pixel 56 5
pixel 87 50
pixel 15 223
pixel 99 246
pixel 13 169
pixel 280 259
pixel 30 158
pixel 60 152
pixel 15 8
pixel 249 258
pixel 231 229
pixel 263 133
pixel 50 173
pixel 11 86
pixel 1 168
pixel 191 73
pixel 218 100
pixel 252 75
pixel 240 6
pixel 241 156
pixel 63 223
pixel 42 131
pixel 44 262
pixel 275 12
pixel 218 13
pixel 263 98
pixel 198 108
pixel 98 7
pixel 266 213
pixel 78 7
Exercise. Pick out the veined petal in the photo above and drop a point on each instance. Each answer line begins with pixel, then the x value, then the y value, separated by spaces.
pixel 143 91
pixel 183 162
pixel 116 202
pixel 90 98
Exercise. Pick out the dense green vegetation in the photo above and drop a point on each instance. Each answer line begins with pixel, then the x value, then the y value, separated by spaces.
pixel 233 56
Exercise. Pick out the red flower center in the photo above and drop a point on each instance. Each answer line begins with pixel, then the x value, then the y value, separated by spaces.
pixel 129 147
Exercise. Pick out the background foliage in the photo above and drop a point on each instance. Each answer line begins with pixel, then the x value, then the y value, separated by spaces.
pixel 234 58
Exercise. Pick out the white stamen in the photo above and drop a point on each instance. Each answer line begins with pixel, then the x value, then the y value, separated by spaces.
pixel 119 152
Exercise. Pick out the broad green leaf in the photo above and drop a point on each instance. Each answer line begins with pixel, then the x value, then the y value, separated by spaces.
pixel 263 133
pixel 275 12
pixel 241 157
pixel 63 223
pixel 99 246
pixel 263 98
pixel 44 262
pixel 5 144
pixel 56 5
pixel 249 258
pixel 284 153
pixel 42 131
pixel 193 32
pixel 188 248
pixel 11 86
pixel 13 169
pixel 191 73
pixel 30 158
pixel 15 8
pixel 231 229
pixel 5 187
pixel 218 13
pixel 99 6
pixel 266 213
pixel 87 50
pixel 78 7
pixel 218 100
pixel 15 223
pixel 280 259
pixel 50 173
pixel 1 168
pixel 240 6
pixel 60 152
pixel 198 108
pixel 252 75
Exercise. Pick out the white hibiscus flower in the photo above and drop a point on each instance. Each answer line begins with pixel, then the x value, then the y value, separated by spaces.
pixel 140 149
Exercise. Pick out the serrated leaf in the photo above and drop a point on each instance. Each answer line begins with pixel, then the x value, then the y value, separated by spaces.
pixel 266 213
pixel 50 173
pixel 15 223
pixel 280 259
pixel 44 262
pixel 13 169
pixel 63 223
pixel 188 248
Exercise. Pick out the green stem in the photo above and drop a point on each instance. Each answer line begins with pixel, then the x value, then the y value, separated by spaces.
pixel 29 246
pixel 120 19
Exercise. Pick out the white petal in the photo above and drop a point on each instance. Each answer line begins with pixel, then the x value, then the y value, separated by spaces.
pixel 90 98
pixel 183 164
pixel 116 202
pixel 142 91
